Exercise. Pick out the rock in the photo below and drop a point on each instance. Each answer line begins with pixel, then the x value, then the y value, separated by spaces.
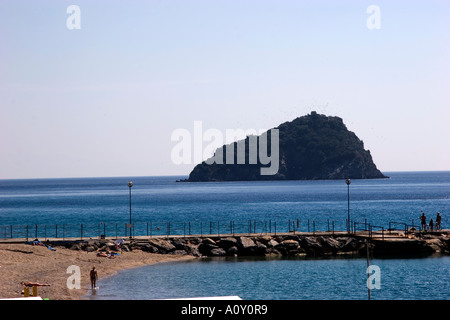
pixel 311 147
pixel 217 252
pixel 180 244
pixel 330 244
pixel 148 248
pixel 435 244
pixel 348 244
pixel 272 243
pixel 90 248
pixel 289 244
pixel 209 241
pixel 162 245
pixel 261 249
pixel 75 246
pixel 206 248
pixel 246 243
pixel 246 246
pixel 228 242
pixel 288 247
pixel 233 251
pixel 179 252
pixel 192 249
pixel 311 246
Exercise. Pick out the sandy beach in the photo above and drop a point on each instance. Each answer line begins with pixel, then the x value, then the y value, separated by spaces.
pixel 27 263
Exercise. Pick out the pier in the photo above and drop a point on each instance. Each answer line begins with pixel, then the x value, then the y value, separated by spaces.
pixel 398 239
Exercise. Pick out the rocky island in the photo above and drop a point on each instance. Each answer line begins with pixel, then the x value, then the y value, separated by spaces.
pixel 312 147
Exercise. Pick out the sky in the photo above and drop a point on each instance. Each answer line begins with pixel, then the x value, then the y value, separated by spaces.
pixel 99 92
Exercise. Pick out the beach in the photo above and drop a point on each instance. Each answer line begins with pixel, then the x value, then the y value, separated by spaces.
pixel 27 263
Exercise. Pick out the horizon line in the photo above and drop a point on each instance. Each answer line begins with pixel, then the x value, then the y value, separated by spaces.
pixel 187 175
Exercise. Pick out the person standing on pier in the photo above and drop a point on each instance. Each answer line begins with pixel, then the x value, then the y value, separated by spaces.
pixel 423 221
pixel 438 221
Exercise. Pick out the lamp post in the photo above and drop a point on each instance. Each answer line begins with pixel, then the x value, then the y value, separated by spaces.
pixel 130 184
pixel 348 181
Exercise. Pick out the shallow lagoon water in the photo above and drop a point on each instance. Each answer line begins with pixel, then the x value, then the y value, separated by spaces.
pixel 283 279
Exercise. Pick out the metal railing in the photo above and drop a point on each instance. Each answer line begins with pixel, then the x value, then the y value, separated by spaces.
pixel 167 228
pixel 189 228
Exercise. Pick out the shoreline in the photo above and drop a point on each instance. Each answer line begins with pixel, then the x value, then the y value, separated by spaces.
pixel 23 263
pixel 54 265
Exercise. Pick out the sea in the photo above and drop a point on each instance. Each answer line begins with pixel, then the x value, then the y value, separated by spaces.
pixel 89 207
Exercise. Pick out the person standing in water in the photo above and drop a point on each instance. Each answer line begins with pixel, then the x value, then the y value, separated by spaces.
pixel 94 277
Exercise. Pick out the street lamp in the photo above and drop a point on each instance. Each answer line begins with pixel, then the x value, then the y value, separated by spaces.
pixel 348 181
pixel 130 184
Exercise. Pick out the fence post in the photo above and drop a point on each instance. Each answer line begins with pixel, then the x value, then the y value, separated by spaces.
pixel 27 233
pixel 81 231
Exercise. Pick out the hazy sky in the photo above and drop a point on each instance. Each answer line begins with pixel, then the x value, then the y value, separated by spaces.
pixel 104 100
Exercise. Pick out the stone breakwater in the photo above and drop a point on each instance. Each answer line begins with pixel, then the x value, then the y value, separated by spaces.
pixel 276 245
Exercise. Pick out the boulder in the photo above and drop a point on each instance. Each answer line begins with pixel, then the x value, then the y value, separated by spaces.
pixel 217 252
pixel 192 249
pixel 271 243
pixel 288 247
pixel 289 244
pixel 206 248
pixel 162 245
pixel 209 241
pixel 233 251
pixel 435 244
pixel 179 252
pixel 330 245
pixel 246 243
pixel 228 242
pixel 348 244
pixel 246 246
pixel 75 246
pixel 148 248
pixel 311 246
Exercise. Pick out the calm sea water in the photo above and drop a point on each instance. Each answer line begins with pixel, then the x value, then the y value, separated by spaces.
pixel 282 279
pixel 104 203
pixel 161 199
